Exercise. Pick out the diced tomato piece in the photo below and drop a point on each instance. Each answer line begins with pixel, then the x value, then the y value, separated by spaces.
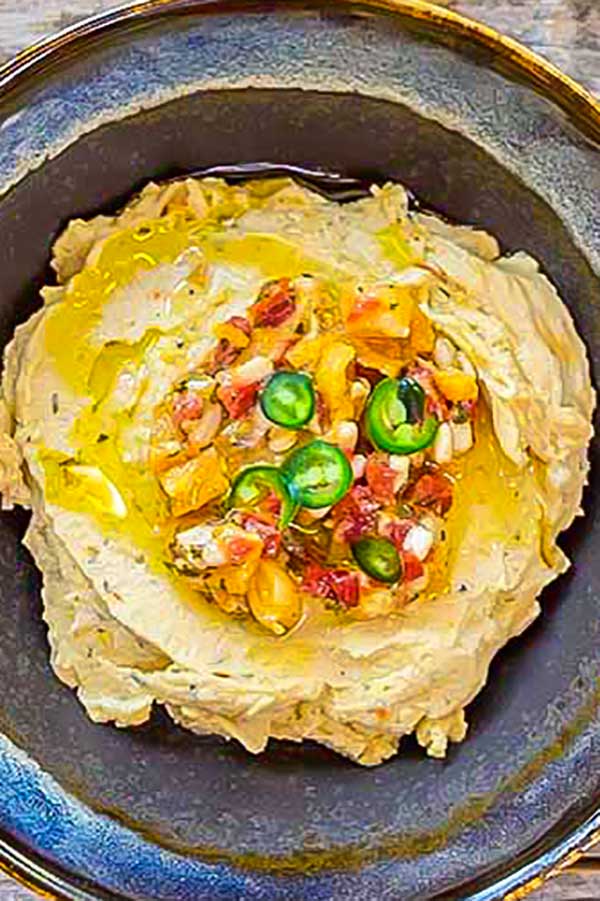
pixel 381 478
pixel 355 515
pixel 265 529
pixel 434 490
pixel 186 406
pixel 413 568
pixel 239 549
pixel 238 400
pixel 314 580
pixel 276 302
pixel 341 585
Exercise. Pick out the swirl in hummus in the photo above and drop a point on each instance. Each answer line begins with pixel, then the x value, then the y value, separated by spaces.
pixel 296 469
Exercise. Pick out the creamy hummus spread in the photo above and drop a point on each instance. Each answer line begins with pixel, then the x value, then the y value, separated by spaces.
pixel 296 468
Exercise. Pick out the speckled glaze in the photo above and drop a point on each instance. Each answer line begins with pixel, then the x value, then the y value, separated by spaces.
pixel 91 812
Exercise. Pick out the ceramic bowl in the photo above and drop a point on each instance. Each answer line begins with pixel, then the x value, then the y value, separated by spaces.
pixel 481 131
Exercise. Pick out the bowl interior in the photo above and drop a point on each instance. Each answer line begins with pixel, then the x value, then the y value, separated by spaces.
pixel 436 825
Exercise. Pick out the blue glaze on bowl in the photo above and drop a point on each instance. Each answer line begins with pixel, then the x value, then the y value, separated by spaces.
pixel 35 810
pixel 155 813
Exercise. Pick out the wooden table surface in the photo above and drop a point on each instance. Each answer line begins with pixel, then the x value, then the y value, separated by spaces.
pixel 567 32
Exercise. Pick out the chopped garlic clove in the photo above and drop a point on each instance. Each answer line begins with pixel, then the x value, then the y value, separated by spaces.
pixel 254 370
pixel 442 446
pixel 359 465
pixel 419 541
pixel 400 465
pixel 462 437
pixel 444 353
pixel 344 434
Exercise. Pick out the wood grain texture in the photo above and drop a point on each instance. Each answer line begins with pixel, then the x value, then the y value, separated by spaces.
pixel 567 32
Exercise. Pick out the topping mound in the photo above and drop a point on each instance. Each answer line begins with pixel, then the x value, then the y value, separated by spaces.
pixel 352 471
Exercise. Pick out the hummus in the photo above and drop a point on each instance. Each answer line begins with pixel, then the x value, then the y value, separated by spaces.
pixel 296 469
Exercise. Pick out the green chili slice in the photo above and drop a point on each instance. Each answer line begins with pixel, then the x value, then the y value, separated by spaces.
pixel 395 417
pixel 378 558
pixel 254 485
pixel 288 399
pixel 319 474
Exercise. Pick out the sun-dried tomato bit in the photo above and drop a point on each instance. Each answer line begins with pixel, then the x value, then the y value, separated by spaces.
pixel 340 585
pixel 356 515
pixel 314 580
pixel 238 400
pixel 381 478
pixel 241 323
pixel 265 528
pixel 186 406
pixel 413 568
pixel 456 385
pixel 275 304
pixel 345 586
pixel 238 388
pixel 224 355
pixel 233 337
pixel 433 490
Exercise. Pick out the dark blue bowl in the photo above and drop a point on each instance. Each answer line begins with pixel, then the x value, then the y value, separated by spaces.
pixel 483 133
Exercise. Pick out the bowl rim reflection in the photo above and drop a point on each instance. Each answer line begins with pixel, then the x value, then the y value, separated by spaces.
pixel 502 53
